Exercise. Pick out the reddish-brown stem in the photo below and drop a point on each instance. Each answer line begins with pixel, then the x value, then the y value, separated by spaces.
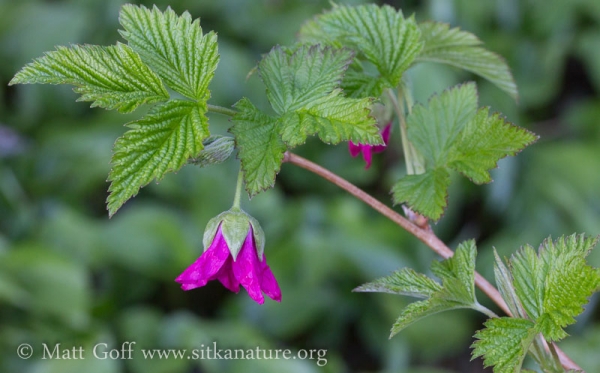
pixel 425 235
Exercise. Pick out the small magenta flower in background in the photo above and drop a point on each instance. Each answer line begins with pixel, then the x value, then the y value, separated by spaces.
pixel 368 150
pixel 234 255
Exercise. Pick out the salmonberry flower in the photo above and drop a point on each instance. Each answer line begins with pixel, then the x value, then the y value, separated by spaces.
pixel 234 245
pixel 368 150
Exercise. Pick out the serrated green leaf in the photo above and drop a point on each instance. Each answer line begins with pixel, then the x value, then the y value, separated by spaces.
pixel 295 81
pixel 457 290
pixel 434 129
pixel 260 148
pixel 111 77
pixel 403 282
pixel 160 142
pixel 458 274
pixel 450 133
pixel 485 140
pixel 554 284
pixel 217 149
pixel 419 310
pixel 303 88
pixel 504 343
pixel 381 35
pixel 463 50
pixel 425 193
pixel 173 46
pixel 358 83
pixel 506 287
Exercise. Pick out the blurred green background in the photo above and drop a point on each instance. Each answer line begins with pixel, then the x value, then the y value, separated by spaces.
pixel 68 274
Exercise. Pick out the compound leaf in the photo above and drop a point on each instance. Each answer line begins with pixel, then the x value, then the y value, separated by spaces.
pixel 403 282
pixel 111 77
pixel 160 142
pixel 463 50
pixel 173 46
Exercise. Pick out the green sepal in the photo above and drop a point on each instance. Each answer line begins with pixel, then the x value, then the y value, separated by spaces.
pixel 235 224
pixel 217 149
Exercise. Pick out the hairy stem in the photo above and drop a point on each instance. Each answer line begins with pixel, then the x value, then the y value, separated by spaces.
pixel 238 190
pixel 424 235
pixel 221 110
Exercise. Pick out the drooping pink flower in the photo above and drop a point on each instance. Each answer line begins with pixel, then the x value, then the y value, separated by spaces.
pixel 368 150
pixel 219 262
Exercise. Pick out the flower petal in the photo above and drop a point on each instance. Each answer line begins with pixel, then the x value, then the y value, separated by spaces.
pixel 206 267
pixel 246 269
pixel 268 283
pixel 385 134
pixel 226 276
pixel 367 155
pixel 354 148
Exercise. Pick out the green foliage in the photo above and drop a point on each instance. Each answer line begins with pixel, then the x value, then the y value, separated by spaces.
pixel 554 284
pixel 380 35
pixel 462 49
pixel 504 343
pixel 174 47
pixel 546 291
pixel 170 48
pixel 110 77
pixel 456 291
pixel 160 142
pixel 451 133
pixel 303 89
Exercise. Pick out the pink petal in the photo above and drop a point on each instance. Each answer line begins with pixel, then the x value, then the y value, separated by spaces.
pixel 385 134
pixel 268 283
pixel 246 269
pixel 206 267
pixel 354 148
pixel 367 155
pixel 226 276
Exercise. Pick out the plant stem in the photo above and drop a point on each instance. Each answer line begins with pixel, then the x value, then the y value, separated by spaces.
pixel 221 110
pixel 486 311
pixel 238 191
pixel 424 235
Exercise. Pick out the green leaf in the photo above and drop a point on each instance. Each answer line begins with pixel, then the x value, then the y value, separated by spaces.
pixel 450 133
pixel 458 274
pixel 554 284
pixel 403 282
pixel 160 142
pixel 433 130
pixel 111 77
pixel 380 35
pixel 506 287
pixel 217 149
pixel 485 140
pixel 426 193
pixel 463 50
pixel 457 290
pixel 172 46
pixel 303 88
pixel 260 148
pixel 504 343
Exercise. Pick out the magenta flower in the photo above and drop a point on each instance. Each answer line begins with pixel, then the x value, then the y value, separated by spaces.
pixel 368 150
pixel 233 261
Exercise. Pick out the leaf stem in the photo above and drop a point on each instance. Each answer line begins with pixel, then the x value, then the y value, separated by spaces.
pixel 221 110
pixel 423 234
pixel 414 161
pixel 486 311
pixel 238 191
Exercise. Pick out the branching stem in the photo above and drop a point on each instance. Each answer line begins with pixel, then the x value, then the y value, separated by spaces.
pixel 424 235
